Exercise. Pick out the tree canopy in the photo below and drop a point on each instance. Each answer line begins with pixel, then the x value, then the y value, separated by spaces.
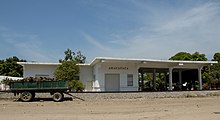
pixel 9 67
pixel 187 56
pixel 198 57
pixel 72 56
pixel 181 56
pixel 216 57
pixel 214 75
pixel 67 71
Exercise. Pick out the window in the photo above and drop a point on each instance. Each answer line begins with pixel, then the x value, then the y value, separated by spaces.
pixel 130 80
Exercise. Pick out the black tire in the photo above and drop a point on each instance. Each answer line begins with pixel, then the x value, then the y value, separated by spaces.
pixel 33 95
pixel 26 96
pixel 57 97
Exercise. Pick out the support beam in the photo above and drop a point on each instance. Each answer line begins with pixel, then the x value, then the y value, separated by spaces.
pixel 154 79
pixel 170 79
pixel 200 77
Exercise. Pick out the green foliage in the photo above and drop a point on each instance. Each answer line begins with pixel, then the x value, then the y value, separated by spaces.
pixel 198 57
pixel 76 85
pixel 214 77
pixel 160 82
pixel 182 56
pixel 187 56
pixel 68 70
pixel 79 57
pixel 71 56
pixel 216 57
pixel 9 67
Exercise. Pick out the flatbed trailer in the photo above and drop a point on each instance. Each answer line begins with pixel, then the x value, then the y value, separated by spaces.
pixel 27 90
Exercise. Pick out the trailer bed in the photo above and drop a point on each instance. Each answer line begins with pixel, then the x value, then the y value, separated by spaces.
pixel 27 89
pixel 39 85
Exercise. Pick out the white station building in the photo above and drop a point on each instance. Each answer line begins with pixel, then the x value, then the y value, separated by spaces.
pixel 120 74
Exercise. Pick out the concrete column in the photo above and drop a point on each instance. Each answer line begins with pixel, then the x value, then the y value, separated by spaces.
pixel 180 79
pixel 170 79
pixel 200 77
pixel 154 79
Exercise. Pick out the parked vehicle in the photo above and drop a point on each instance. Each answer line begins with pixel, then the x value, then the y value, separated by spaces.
pixel 28 89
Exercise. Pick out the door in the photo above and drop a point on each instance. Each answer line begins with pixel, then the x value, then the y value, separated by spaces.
pixel 112 82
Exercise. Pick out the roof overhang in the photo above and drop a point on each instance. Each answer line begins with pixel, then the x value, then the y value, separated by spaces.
pixel 37 63
pixel 155 63
pixel 40 63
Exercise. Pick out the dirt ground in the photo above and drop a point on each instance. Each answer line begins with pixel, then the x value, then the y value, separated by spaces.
pixel 200 108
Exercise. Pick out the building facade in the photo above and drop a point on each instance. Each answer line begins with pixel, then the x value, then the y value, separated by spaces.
pixel 122 74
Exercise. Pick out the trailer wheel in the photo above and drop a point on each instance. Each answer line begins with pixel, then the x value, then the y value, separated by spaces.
pixel 33 95
pixel 57 96
pixel 26 96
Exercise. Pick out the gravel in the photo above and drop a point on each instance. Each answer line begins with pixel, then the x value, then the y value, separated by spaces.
pixel 124 95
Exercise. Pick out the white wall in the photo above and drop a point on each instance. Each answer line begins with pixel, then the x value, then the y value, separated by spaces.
pixel 86 77
pixel 85 74
pixel 93 77
pixel 32 70
pixel 101 69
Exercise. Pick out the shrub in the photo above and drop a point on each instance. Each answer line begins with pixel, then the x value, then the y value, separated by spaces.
pixel 76 85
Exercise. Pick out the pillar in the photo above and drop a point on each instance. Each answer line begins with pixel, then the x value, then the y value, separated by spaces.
pixel 200 77
pixel 154 79
pixel 170 79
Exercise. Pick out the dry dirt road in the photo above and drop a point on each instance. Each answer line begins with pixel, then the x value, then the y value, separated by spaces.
pixel 205 108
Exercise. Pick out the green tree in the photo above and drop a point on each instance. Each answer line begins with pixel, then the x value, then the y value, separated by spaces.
pixel 9 67
pixel 216 57
pixel 187 56
pixel 198 57
pixel 70 55
pixel 214 77
pixel 80 58
pixel 69 69
pixel 182 56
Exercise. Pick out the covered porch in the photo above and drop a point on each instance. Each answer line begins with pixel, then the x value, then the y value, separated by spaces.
pixel 171 75
pixel 163 79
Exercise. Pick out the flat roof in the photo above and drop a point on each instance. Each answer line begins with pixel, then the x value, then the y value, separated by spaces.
pixel 37 63
pixel 111 59
pixel 41 63
pixel 103 59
